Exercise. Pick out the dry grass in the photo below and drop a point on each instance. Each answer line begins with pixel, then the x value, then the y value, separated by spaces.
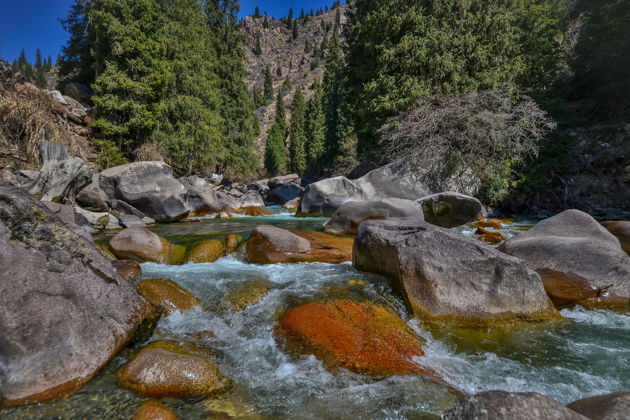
pixel 27 119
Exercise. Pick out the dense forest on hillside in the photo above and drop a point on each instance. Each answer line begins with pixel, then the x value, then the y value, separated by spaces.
pixel 485 88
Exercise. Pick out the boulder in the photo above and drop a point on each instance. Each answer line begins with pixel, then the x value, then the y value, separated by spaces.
pixel 92 198
pixel 292 204
pixel 148 186
pixel 272 245
pixel 127 269
pixel 61 176
pixel 78 92
pixel 167 295
pixel 120 207
pixel 261 186
pixel 207 251
pixel 154 410
pixel 621 230
pixel 251 199
pixel 359 336
pixel 64 312
pixel 614 406
pixel 140 244
pixel 580 262
pixel 56 96
pixel 7 178
pixel 445 276
pixel 166 369
pixel 451 209
pixel 349 216
pixel 495 405
pixel 323 198
pixel 201 197
pixel 283 193
pixel 26 179
pixel 71 219
pixel 130 220
pixel 99 221
pixel 284 180
pixel 245 295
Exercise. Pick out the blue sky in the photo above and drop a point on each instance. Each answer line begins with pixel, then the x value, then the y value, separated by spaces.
pixel 32 24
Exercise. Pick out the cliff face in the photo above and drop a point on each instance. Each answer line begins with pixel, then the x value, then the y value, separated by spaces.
pixel 286 57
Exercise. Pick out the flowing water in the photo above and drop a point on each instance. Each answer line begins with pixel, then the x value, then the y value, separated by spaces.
pixel 588 353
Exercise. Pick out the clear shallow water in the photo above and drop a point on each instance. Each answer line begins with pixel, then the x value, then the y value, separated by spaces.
pixel 586 354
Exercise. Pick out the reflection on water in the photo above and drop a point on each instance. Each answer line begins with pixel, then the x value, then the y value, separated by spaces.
pixel 586 354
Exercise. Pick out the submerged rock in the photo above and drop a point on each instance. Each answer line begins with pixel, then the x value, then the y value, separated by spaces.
pixel 359 336
pixel 446 276
pixel 127 269
pixel 450 209
pixel 148 186
pixel 580 262
pixel 495 405
pixel 167 295
pixel 207 251
pixel 154 410
pixel 140 244
pixel 614 406
pixel 349 216
pixel 256 211
pixel 245 295
pixel 64 312
pixel 166 369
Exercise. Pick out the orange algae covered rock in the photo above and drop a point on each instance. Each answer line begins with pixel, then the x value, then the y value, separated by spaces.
pixel 154 410
pixel 359 336
pixel 167 295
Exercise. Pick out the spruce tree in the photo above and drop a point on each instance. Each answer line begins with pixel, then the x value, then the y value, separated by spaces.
pixel 268 85
pixel 290 18
pixel 25 67
pixel 275 152
pixel 315 127
pixel 257 12
pixel 338 124
pixel 281 115
pixel 77 63
pixel 295 32
pixel 297 133
pixel 40 71
pixel 258 47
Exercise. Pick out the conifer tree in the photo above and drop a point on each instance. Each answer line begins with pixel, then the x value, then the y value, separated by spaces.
pixel 295 32
pixel 275 152
pixel 315 127
pixel 290 18
pixel 40 71
pixel 281 115
pixel 257 97
pixel 302 14
pixel 258 47
pixel 338 124
pixel 265 21
pixel 268 84
pixel 297 133
pixel 77 64
pixel 49 64
pixel 257 12
pixel 25 67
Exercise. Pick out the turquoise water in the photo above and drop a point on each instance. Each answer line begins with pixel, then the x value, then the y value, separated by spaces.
pixel 588 353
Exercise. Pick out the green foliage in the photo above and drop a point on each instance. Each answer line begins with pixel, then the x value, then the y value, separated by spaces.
pixel 297 133
pixel 77 64
pixel 315 129
pixel 275 152
pixel 294 31
pixel 281 115
pixel 403 50
pixel 257 97
pixel 268 84
pixel 109 154
pixel 258 48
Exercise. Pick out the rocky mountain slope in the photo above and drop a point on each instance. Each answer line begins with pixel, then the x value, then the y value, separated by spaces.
pixel 286 57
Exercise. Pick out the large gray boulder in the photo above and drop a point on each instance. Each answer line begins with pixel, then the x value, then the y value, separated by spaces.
pixel 203 199
pixel 71 219
pixel 349 216
pixel 61 176
pixel 324 197
pixel 446 276
pixel 284 193
pixel 251 199
pixel 284 180
pixel 614 406
pixel 64 312
pixel 501 405
pixel 148 186
pixel 93 198
pixel 580 262
pixel 451 209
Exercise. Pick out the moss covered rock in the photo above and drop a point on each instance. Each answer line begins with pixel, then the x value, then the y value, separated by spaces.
pixel 167 295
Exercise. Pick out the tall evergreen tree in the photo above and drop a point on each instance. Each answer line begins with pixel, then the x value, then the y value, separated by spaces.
pixel 315 130
pixel 290 18
pixel 281 114
pixel 40 70
pixel 77 63
pixel 295 33
pixel 257 12
pixel 236 106
pixel 275 151
pixel 297 146
pixel 268 84
pixel 25 67
pixel 258 47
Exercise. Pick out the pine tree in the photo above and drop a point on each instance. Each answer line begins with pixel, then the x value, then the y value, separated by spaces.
pixel 257 97
pixel 268 84
pixel 337 19
pixel 302 14
pixel 24 67
pixel 77 63
pixel 323 47
pixel 265 21
pixel 258 48
pixel 295 33
pixel 297 133
pixel 281 115
pixel 40 71
pixel 275 151
pixel 290 18
pixel 236 106
pixel 338 124
pixel 286 86
pixel 49 63
pixel 257 12
pixel 315 127
pixel 307 47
